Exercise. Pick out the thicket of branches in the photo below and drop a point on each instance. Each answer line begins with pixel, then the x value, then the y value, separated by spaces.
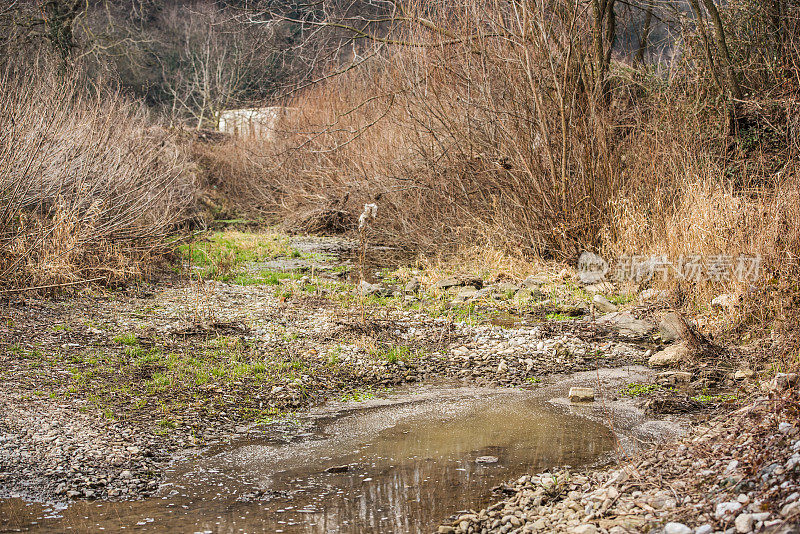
pixel 547 128
pixel 89 189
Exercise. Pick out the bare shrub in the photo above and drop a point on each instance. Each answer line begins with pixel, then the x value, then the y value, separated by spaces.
pixel 88 189
pixel 503 129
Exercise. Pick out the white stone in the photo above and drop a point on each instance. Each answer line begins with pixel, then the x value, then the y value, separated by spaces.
pixel 727 509
pixel 677 528
pixel 703 529
pixel 744 523
pixel 578 394
pixel 671 356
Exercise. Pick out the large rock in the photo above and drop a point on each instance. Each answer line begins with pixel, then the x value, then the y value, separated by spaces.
pixel 672 356
pixel 412 286
pixel 577 394
pixel 533 282
pixel 465 293
pixel 670 328
pixel 365 288
pixel 627 325
pixel 603 305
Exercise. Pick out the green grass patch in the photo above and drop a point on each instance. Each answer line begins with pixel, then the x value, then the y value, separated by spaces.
pixel 715 399
pixel 635 389
pixel 129 339
pixel 358 395
pixel 221 255
pixel 622 299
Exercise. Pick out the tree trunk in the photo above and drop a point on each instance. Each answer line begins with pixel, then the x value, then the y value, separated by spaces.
pixel 644 39
pixel 604 32
pixel 701 27
pixel 722 49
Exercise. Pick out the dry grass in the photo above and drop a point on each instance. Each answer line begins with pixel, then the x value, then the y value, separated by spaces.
pixel 88 189
pixel 505 145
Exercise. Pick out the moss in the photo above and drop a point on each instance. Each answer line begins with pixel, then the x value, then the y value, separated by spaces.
pixel 635 389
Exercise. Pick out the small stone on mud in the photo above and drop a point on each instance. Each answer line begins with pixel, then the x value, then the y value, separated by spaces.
pixel 338 469
pixel 603 305
pixel 677 528
pixel 486 460
pixel 743 374
pixel 577 394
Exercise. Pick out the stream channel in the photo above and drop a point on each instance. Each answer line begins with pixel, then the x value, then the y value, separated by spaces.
pixel 400 462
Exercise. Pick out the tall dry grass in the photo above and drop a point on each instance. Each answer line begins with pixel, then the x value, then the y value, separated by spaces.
pixel 88 189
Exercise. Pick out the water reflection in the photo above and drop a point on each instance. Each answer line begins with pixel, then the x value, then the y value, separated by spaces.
pixel 410 465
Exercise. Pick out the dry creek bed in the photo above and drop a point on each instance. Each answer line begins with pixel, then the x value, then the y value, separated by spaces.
pixel 101 391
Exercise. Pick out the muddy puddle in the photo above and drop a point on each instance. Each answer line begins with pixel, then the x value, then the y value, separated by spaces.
pixel 401 463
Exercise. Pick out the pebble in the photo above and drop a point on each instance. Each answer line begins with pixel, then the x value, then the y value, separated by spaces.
pixel 744 523
pixel 677 528
pixel 727 509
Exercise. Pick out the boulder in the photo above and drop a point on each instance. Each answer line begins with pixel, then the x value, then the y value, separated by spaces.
pixel 465 293
pixel 671 356
pixel 603 305
pixel 578 394
pixel 627 325
pixel 412 286
pixel 365 288
pixel 670 328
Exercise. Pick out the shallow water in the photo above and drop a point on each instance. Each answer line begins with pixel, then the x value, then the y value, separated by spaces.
pixel 410 457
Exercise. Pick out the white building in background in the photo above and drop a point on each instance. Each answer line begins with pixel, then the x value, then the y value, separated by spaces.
pixel 261 123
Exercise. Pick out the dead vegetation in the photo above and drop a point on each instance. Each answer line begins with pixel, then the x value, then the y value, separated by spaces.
pixel 539 144
pixel 89 189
